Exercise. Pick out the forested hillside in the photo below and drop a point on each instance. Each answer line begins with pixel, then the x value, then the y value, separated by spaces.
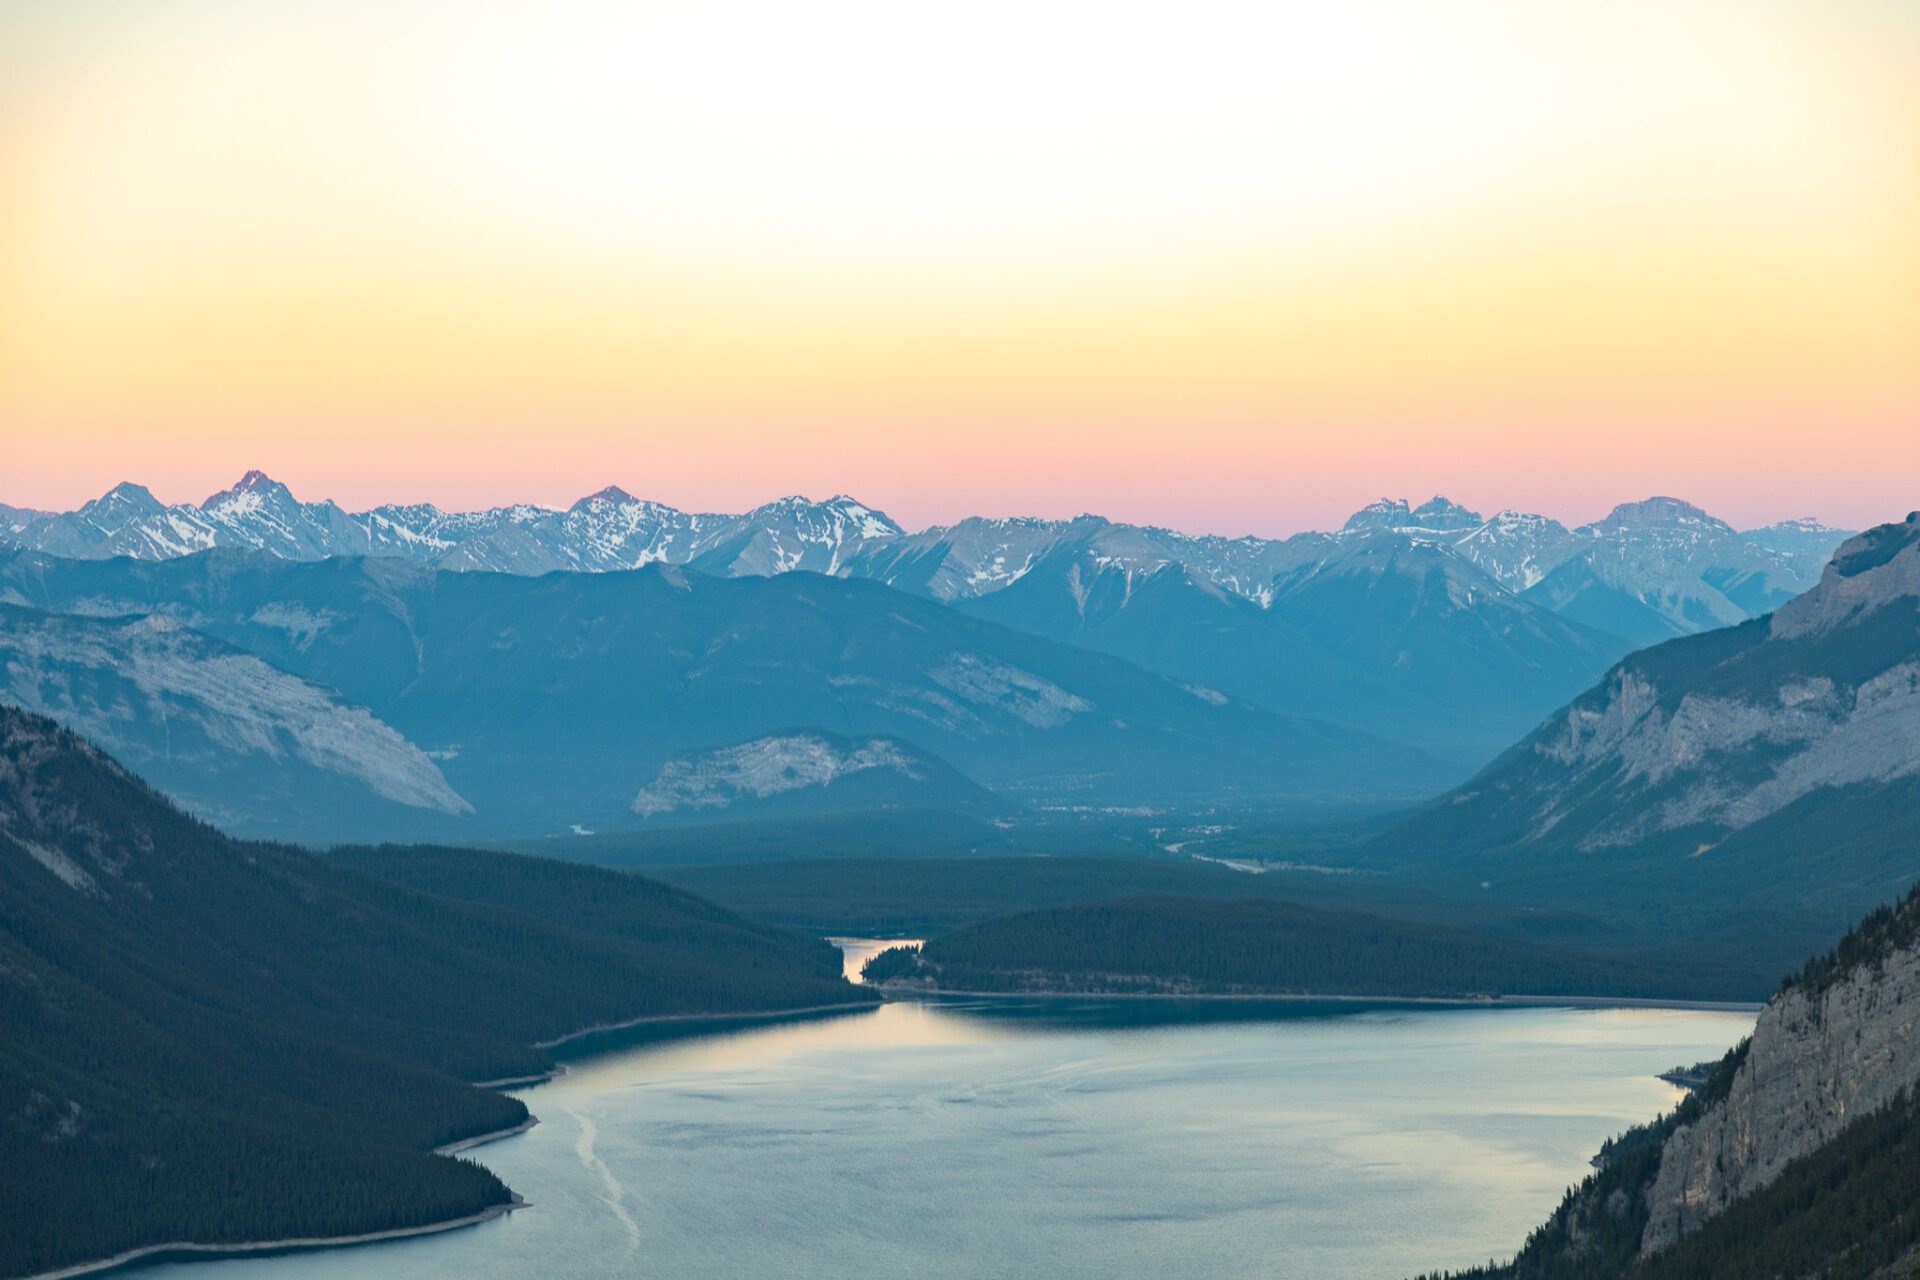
pixel 213 1041
pixel 1175 945
pixel 886 896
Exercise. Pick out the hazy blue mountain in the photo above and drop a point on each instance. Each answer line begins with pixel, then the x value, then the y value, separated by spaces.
pixel 1428 624
pixel 15 519
pixel 1517 550
pixel 1379 632
pixel 1662 568
pixel 553 701
pixel 1463 631
pixel 978 557
pixel 1472 660
pixel 1806 543
pixel 1685 569
pixel 608 530
pixel 1771 766
pixel 1438 515
pixel 232 739
pixel 85 531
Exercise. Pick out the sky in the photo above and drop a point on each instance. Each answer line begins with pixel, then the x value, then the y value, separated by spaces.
pixel 1231 267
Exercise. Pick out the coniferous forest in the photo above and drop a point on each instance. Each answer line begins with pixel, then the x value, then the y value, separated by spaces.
pixel 1258 946
pixel 209 1041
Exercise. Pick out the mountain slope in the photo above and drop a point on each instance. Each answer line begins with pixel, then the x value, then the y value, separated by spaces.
pixel 552 701
pixel 1662 568
pixel 1169 621
pixel 1439 632
pixel 1378 632
pixel 805 771
pixel 1772 765
pixel 209 1040
pixel 230 738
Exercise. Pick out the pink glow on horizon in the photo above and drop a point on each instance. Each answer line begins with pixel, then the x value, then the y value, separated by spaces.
pixel 1281 489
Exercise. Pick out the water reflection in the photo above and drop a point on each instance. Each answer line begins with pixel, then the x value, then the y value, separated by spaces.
pixel 1071 1138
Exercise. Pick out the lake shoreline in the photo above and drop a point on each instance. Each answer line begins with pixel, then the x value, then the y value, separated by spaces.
pixel 188 1249
pixel 1461 1002
pixel 651 1019
pixel 154 1252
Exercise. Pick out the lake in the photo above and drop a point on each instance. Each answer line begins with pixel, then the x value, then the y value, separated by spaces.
pixel 1060 1137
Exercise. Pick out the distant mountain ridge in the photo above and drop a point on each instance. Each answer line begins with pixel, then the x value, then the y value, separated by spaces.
pixel 553 701
pixel 1428 625
pixel 608 530
pixel 1647 571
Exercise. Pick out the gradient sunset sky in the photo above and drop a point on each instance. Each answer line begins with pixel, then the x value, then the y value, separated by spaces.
pixel 1230 267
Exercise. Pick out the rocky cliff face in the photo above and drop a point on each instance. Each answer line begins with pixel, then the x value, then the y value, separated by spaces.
pixel 1820 1058
pixel 1707 735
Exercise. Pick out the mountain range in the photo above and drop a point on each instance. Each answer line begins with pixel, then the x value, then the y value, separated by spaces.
pixel 1430 626
pixel 1771 768
pixel 1683 569
pixel 524 705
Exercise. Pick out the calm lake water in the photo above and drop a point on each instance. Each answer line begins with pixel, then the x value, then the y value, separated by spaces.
pixel 1060 1138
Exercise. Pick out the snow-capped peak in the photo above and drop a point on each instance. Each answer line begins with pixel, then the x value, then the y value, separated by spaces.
pixel 867 522
pixel 1658 513
pixel 1804 525
pixel 255 485
pixel 1387 513
pixel 1444 515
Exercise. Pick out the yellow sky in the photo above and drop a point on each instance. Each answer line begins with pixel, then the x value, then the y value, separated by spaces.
pixel 1229 265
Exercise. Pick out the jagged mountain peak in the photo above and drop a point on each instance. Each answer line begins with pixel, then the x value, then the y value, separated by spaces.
pixel 1443 514
pixel 134 499
pixel 1512 521
pixel 862 521
pixel 1657 513
pixel 1438 514
pixel 613 494
pixel 128 491
pixel 1869 570
pixel 253 483
pixel 1386 513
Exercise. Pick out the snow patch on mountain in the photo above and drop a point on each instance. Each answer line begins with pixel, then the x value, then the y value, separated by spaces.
pixel 1686 570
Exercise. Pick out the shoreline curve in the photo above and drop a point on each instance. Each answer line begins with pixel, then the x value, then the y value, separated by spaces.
pixel 150 1252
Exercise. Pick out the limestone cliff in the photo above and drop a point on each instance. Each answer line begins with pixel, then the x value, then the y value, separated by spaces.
pixel 1823 1054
